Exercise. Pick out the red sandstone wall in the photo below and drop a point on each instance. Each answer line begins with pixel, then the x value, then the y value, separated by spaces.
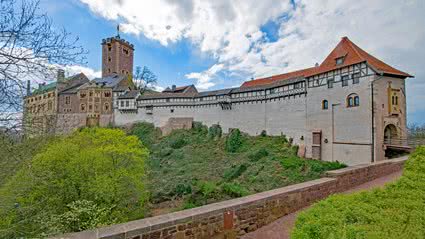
pixel 234 218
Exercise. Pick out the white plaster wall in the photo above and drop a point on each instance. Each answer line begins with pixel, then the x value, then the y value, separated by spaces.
pixel 284 116
pixel 345 129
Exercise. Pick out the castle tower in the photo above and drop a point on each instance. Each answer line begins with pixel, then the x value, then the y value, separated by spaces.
pixel 117 56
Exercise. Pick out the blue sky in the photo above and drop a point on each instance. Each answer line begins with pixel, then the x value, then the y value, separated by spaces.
pixel 219 43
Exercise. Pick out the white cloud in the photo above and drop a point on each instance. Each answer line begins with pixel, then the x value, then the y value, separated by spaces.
pixel 203 79
pixel 76 69
pixel 230 31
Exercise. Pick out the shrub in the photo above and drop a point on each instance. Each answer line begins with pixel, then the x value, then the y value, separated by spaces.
pixel 397 211
pixel 234 172
pixel 146 132
pixel 233 141
pixel 103 166
pixel 234 190
pixel 200 128
pixel 263 133
pixel 215 132
pixel 259 154
pixel 177 141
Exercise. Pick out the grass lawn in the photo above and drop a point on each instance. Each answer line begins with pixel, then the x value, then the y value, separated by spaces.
pixel 190 168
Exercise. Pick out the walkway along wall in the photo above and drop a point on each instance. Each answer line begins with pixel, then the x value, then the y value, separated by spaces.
pixel 234 218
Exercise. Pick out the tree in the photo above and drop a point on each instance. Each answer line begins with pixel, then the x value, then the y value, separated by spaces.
pixel 30 49
pixel 91 178
pixel 144 79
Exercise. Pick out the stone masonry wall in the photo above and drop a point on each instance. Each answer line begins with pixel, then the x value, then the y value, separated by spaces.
pixel 234 218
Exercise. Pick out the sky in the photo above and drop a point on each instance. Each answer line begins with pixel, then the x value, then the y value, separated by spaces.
pixel 215 44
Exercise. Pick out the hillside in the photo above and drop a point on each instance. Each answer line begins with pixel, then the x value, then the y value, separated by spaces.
pixel 199 166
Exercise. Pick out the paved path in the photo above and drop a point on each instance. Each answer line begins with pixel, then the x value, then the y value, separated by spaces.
pixel 280 229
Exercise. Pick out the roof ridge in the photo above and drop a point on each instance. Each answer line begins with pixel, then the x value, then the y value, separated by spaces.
pixel 354 47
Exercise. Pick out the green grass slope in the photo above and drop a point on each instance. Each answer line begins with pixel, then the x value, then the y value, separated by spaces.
pixel 200 167
pixel 394 212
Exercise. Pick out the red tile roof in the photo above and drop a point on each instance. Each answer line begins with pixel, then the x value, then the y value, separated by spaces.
pixel 352 55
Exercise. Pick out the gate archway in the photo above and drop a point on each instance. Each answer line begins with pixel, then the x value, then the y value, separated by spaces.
pixel 390 132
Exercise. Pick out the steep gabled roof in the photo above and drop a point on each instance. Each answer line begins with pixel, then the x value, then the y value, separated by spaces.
pixel 352 54
pixel 346 49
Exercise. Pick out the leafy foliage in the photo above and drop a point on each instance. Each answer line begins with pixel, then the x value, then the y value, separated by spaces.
pixel 15 153
pixel 201 171
pixel 215 132
pixel 90 178
pixel 146 132
pixel 397 211
pixel 233 141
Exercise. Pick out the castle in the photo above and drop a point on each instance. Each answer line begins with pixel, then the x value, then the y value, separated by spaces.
pixel 345 109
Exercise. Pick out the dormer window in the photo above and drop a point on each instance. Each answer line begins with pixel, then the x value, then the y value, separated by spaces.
pixel 339 60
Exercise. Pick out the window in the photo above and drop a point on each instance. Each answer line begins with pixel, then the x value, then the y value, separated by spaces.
pixel 109 59
pixel 353 100
pixel 50 105
pixel 122 103
pixel 83 107
pixel 106 106
pixel 356 100
pixel 91 93
pixel 125 51
pixel 109 47
pixel 330 83
pixel 83 95
pixel 356 78
pixel 127 103
pixel 344 80
pixel 172 110
pixel 67 100
pixel 90 107
pixel 339 60
pixel 325 105
pixel 107 94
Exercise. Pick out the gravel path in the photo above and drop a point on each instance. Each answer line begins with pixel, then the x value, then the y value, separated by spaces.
pixel 280 229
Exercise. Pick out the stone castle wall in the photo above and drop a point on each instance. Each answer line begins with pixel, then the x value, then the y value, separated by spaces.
pixel 234 218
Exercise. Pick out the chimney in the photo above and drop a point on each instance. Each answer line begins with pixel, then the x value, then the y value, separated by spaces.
pixel 28 87
pixel 61 75
pixel 173 87
pixel 316 65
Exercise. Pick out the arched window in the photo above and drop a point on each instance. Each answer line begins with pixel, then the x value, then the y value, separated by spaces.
pixel 353 100
pixel 106 106
pixel 356 100
pixel 325 105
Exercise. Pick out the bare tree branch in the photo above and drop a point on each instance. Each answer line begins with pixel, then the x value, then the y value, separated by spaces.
pixel 144 79
pixel 30 49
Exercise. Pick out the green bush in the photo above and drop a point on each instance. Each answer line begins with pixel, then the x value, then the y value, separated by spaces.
pixel 215 132
pixel 396 211
pixel 200 128
pixel 146 132
pixel 234 190
pixel 103 166
pixel 259 154
pixel 263 133
pixel 177 141
pixel 233 141
pixel 234 172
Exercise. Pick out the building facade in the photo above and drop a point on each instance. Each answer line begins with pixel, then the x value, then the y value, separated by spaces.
pixel 341 110
pixel 346 109
pixel 69 103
